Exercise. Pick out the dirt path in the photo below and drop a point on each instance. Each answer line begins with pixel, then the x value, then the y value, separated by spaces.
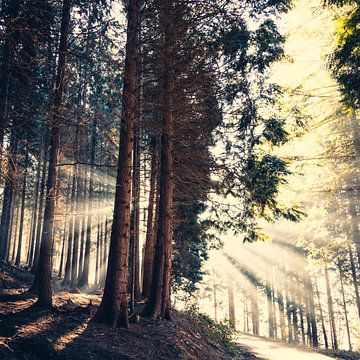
pixel 270 350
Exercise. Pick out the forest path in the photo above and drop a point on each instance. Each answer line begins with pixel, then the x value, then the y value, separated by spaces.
pixel 271 350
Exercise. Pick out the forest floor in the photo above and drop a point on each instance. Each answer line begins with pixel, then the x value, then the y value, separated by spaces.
pixel 28 333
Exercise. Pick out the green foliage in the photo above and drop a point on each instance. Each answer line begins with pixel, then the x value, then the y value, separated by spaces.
pixel 345 61
pixel 217 332
pixel 191 243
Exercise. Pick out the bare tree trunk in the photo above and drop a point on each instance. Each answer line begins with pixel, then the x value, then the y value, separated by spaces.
pixel 96 281
pixel 83 228
pixel 34 215
pixel 232 319
pixel 68 264
pixel 344 304
pixel 255 312
pixel 331 310
pixel 75 250
pixel 22 213
pixel 43 274
pixel 135 233
pixel 35 260
pixel 113 308
pixel 62 256
pixel 84 279
pixel 354 278
pixel 326 343
pixel 159 301
pixel 281 315
pixel 270 309
pixel 15 230
pixel 215 302
pixel 8 200
pixel 288 314
pixel 150 228
pixel 312 315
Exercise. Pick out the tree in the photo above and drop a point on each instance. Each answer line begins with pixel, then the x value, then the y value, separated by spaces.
pixel 43 275
pixel 113 309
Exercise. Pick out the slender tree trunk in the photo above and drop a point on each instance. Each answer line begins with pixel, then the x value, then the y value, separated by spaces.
pixel 62 256
pixel 43 274
pixel 103 262
pixel 326 343
pixel 281 315
pixel 355 279
pixel 255 312
pixel 34 214
pixel 150 229
pixel 83 228
pixel 98 247
pixel 75 250
pixel 232 319
pixel 312 313
pixel 331 310
pixel 288 314
pixel 215 302
pixel 22 214
pixel 35 259
pixel 8 200
pixel 15 230
pixel 68 264
pixel 84 279
pixel 134 260
pixel 270 309
pixel 344 305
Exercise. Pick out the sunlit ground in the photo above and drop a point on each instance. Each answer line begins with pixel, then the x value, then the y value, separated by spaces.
pixel 268 350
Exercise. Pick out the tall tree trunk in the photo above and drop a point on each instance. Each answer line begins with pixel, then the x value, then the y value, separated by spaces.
pixel 135 231
pixel 159 301
pixel 103 262
pixel 75 250
pixel 281 315
pixel 150 229
pixel 312 315
pixel 288 316
pixel 35 259
pixel 68 264
pixel 43 274
pixel 331 309
pixel 84 279
pixel 62 256
pixel 22 215
pixel 83 228
pixel 8 200
pixel 255 311
pixel 215 302
pixel 113 308
pixel 232 319
pixel 15 229
pixel 270 309
pixel 34 214
pixel 344 304
pixel 326 343
pixel 354 279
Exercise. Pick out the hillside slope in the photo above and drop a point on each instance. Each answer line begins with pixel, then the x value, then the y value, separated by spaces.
pixel 33 334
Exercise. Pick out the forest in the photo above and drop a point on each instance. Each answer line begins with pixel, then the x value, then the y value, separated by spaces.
pixel 179 179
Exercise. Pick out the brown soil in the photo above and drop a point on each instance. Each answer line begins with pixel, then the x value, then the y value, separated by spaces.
pixel 29 333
